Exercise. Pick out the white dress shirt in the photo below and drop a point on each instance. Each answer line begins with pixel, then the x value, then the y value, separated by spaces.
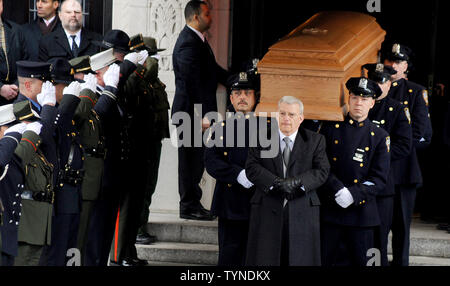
pixel 47 22
pixel 77 38
pixel 202 37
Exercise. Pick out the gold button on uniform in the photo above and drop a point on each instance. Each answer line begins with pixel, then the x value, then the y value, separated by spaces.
pixel 221 137
pixel 355 181
pixel 337 125
pixel 351 121
pixel 225 153
pixel 372 133
pixel 334 159
pixel 405 103
pixel 382 121
pixel 395 84
pixel 229 185
pixel 268 120
pixel 391 109
pixel 336 141
pixel 223 123
pixel 410 91
pixel 361 165
pixel 367 148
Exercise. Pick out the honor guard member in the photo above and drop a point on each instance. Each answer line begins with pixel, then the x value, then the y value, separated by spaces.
pixel 226 163
pixel 87 122
pixel 70 161
pixel 408 175
pixel 105 212
pixel 12 177
pixel 393 117
pixel 359 154
pixel 147 109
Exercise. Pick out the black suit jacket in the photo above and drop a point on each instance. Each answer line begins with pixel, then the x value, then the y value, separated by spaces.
pixel 15 47
pixel 56 45
pixel 309 162
pixel 33 35
pixel 196 74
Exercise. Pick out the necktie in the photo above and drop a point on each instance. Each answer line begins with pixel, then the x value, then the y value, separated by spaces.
pixel 286 151
pixel 74 46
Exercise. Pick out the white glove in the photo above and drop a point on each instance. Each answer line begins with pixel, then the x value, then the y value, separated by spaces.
pixel 242 179
pixel 111 76
pixel 90 82
pixel 35 127
pixel 132 57
pixel 344 198
pixel 142 57
pixel 47 95
pixel 20 127
pixel 74 88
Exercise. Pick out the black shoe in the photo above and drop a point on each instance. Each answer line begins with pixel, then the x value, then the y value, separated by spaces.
pixel 145 238
pixel 197 214
pixel 133 262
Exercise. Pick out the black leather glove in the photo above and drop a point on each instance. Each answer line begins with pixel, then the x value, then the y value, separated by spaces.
pixel 275 188
pixel 291 188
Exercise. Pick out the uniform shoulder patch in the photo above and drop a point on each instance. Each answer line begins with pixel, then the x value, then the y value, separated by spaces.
pixel 408 115
pixel 388 143
pixel 425 96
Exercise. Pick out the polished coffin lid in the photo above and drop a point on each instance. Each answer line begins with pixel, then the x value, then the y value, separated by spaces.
pixel 314 61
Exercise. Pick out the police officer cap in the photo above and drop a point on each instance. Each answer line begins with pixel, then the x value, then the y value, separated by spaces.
pixel 116 39
pixel 364 87
pixel 379 72
pixel 19 111
pixel 241 81
pixel 138 42
pixel 399 52
pixel 102 59
pixel 81 64
pixel 62 71
pixel 31 69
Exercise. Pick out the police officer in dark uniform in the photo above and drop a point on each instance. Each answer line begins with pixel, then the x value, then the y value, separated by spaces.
pixel 226 163
pixel 70 160
pixel 11 182
pixel 359 154
pixel 393 117
pixel 408 175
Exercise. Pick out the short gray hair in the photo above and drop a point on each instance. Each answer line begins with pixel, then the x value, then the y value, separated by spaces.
pixel 291 100
pixel 61 2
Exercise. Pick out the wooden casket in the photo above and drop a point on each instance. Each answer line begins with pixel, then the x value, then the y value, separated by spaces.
pixel 314 61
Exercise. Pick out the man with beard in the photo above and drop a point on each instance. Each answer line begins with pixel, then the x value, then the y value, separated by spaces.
pixel 71 40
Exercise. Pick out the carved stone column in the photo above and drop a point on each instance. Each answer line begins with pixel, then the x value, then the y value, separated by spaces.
pixel 164 20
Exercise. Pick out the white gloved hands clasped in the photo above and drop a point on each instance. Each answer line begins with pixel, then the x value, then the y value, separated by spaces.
pixel 47 95
pixel 142 57
pixel 35 127
pixel 90 82
pixel 243 180
pixel 344 198
pixel 112 75
pixel 19 127
pixel 74 88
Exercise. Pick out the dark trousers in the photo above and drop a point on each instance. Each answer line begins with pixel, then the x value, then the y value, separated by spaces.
pixel 85 216
pixel 190 172
pixel 233 236
pixel 64 237
pixel 7 260
pixel 29 255
pixel 101 231
pixel 385 206
pixel 356 241
pixel 401 222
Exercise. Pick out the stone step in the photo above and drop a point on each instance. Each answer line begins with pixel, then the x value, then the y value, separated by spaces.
pixel 426 261
pixel 170 228
pixel 179 253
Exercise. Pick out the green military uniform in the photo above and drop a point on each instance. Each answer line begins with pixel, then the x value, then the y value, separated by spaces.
pixel 88 124
pixel 37 201
pixel 148 105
